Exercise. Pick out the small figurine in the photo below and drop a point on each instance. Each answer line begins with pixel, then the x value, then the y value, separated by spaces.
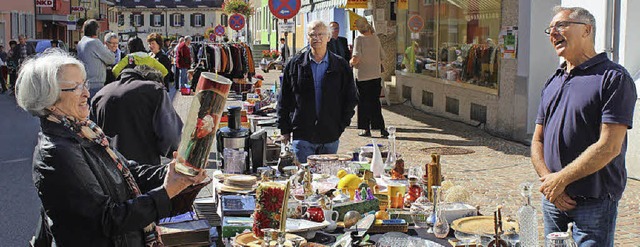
pixel 398 170
pixel 370 194
pixel 357 196
pixel 363 194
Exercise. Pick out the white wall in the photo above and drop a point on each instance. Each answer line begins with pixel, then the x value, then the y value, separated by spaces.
pixel 542 60
pixel 630 59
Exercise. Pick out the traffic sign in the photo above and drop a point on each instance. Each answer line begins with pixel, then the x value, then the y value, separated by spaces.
pixel 286 27
pixel 219 30
pixel 415 23
pixel 284 9
pixel 212 37
pixel 236 22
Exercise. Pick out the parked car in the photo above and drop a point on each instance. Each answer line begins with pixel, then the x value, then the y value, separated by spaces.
pixel 42 44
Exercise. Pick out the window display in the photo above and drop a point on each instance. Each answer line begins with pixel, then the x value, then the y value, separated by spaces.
pixel 458 41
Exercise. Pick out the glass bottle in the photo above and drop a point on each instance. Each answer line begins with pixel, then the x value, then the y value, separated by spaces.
pixel 441 226
pixel 420 210
pixel 390 163
pixel 414 191
pixel 527 218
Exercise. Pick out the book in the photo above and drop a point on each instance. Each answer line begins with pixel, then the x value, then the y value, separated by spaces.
pixel 194 232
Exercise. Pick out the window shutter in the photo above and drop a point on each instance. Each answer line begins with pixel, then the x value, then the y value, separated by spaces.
pixel 141 20
pixel 192 17
pixel 131 20
pixel 162 20
pixel 181 20
pixel 151 22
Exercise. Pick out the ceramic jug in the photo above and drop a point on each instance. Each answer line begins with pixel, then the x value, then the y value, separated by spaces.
pixel 331 216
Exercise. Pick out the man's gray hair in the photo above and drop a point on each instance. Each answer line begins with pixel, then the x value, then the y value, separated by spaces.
pixel 187 38
pixel 109 36
pixel 37 86
pixel 318 24
pixel 579 14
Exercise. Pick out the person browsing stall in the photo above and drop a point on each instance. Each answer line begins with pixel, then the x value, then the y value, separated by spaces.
pixel 91 193
pixel 580 139
pixel 317 97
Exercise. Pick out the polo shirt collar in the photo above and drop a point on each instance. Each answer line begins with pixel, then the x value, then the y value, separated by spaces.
pixel 599 58
pixel 324 59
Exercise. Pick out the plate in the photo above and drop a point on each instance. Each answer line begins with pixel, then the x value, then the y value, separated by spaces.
pixel 247 239
pixel 301 225
pixel 481 224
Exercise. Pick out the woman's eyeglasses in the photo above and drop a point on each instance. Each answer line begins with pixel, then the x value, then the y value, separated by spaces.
pixel 79 88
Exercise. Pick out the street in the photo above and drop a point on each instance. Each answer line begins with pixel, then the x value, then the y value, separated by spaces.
pixel 19 203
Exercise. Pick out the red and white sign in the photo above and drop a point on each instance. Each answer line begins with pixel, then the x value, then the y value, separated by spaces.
pixel 284 9
pixel 77 9
pixel 44 3
pixel 415 23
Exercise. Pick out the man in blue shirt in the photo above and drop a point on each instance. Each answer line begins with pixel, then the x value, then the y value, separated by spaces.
pixel 579 144
pixel 317 97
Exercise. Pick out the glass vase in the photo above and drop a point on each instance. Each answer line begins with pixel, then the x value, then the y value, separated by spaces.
pixel 441 226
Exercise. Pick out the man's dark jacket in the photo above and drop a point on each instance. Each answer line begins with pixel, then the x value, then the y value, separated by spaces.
pixel 296 103
pixel 340 41
pixel 137 113
pixel 17 53
pixel 85 195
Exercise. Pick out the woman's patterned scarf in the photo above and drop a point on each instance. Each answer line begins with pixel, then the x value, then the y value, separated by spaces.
pixel 89 130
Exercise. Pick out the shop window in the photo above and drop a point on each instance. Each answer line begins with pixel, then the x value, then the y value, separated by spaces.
pixel 138 20
pixel 458 41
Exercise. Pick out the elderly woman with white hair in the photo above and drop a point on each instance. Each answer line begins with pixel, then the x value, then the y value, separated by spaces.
pixel 367 68
pixel 91 193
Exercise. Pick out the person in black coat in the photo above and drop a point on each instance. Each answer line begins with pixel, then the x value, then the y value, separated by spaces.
pixel 337 44
pixel 318 97
pixel 93 195
pixel 155 46
pixel 137 113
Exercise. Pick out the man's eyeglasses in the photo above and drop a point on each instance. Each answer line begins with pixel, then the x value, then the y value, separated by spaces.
pixel 78 89
pixel 561 26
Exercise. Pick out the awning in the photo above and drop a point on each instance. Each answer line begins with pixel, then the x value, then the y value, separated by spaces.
pixel 51 18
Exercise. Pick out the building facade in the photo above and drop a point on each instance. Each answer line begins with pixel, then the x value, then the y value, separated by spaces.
pixel 167 17
pixel 264 28
pixel 52 22
pixel 16 18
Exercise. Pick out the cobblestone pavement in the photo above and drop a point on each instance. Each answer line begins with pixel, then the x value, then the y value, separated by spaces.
pixel 492 173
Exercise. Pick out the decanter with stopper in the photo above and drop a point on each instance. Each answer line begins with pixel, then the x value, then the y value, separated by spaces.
pixel 393 166
pixel 527 218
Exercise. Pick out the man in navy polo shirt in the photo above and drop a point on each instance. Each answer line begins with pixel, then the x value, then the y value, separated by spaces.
pixel 579 144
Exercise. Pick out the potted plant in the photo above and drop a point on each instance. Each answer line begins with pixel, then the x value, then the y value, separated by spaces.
pixel 238 7
pixel 275 54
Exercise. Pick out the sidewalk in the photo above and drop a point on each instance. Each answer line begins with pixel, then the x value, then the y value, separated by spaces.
pixel 492 169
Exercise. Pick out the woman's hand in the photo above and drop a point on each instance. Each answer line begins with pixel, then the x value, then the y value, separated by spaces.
pixel 175 182
pixel 354 61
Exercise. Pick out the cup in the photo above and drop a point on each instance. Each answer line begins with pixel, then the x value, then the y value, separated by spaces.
pixel 396 195
pixel 314 214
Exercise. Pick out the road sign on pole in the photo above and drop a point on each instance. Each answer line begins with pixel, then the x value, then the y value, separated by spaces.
pixel 236 22
pixel 286 27
pixel 284 9
pixel 415 23
pixel 219 30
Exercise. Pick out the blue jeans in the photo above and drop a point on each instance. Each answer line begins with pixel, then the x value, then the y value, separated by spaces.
pixel 594 220
pixel 183 76
pixel 303 149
